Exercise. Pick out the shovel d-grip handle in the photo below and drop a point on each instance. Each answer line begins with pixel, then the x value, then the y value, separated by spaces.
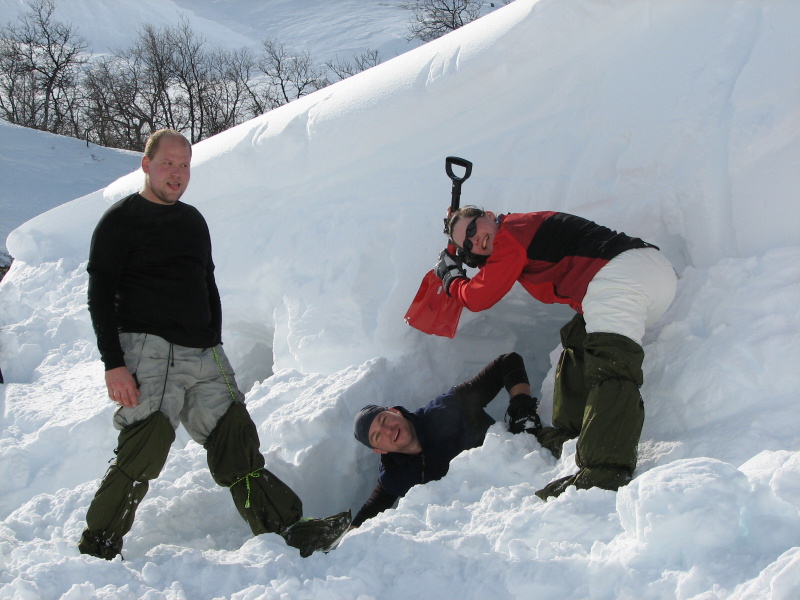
pixel 455 198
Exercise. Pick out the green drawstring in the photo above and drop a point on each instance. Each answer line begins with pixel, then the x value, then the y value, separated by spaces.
pixel 224 374
pixel 256 473
pixel 246 479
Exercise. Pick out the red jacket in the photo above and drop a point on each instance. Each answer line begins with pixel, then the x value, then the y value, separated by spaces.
pixel 553 255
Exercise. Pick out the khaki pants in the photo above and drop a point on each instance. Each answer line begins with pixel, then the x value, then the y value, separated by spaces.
pixel 187 385
pixel 195 387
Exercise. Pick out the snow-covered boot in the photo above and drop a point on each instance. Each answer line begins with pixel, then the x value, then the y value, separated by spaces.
pixel 553 439
pixel 311 535
pixel 94 544
pixel 607 478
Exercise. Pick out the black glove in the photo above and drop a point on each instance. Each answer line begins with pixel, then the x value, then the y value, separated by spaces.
pixel 449 268
pixel 472 260
pixel 522 415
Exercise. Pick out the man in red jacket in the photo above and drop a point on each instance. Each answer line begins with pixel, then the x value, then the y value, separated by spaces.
pixel 617 284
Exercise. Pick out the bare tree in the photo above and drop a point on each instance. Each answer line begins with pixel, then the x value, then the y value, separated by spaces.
pixel 434 18
pixel 191 72
pixel 167 78
pixel 344 68
pixel 228 98
pixel 290 74
pixel 40 63
pixel 121 110
pixel 153 50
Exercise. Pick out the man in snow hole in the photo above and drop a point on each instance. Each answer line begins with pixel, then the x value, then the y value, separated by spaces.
pixel 418 447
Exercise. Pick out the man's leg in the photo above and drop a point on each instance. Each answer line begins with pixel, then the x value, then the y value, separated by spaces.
pixel 141 453
pixel 570 391
pixel 266 503
pixel 614 415
pixel 215 416
pixel 632 291
pixel 146 434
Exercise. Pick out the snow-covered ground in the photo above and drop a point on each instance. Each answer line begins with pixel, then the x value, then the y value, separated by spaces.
pixel 677 121
pixel 39 170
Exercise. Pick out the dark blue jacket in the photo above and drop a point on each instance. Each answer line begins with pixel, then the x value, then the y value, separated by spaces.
pixel 446 426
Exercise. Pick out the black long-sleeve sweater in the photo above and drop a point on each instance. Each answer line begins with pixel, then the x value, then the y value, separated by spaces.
pixel 151 271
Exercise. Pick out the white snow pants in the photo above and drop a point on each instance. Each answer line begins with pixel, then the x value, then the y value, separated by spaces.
pixel 631 292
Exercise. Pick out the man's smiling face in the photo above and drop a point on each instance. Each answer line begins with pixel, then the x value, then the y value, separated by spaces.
pixel 392 432
pixel 477 233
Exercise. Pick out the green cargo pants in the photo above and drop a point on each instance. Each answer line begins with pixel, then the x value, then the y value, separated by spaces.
pixel 141 451
pixel 195 387
pixel 266 503
pixel 597 400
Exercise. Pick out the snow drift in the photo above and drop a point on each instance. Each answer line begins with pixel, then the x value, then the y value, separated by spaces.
pixel 675 122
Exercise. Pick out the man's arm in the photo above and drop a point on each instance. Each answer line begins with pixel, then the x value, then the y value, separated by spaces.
pixel 379 501
pixel 214 302
pixel 506 371
pixel 520 388
pixel 122 386
pixel 104 268
pixel 101 299
pixel 495 279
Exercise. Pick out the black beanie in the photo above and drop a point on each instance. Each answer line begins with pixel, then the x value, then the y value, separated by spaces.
pixel 363 421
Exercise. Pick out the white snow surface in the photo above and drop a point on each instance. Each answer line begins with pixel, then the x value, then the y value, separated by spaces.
pixel 39 170
pixel 678 122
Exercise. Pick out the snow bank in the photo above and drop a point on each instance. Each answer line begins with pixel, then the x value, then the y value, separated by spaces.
pixel 675 122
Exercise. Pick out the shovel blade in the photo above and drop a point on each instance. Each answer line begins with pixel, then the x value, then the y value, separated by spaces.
pixel 432 311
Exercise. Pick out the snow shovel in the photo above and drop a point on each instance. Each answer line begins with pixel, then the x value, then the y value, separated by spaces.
pixel 432 311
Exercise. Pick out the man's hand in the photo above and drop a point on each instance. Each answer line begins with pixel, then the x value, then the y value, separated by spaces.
pixel 522 415
pixel 448 268
pixel 446 230
pixel 122 387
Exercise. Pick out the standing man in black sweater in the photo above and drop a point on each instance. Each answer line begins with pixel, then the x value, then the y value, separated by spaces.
pixel 156 311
